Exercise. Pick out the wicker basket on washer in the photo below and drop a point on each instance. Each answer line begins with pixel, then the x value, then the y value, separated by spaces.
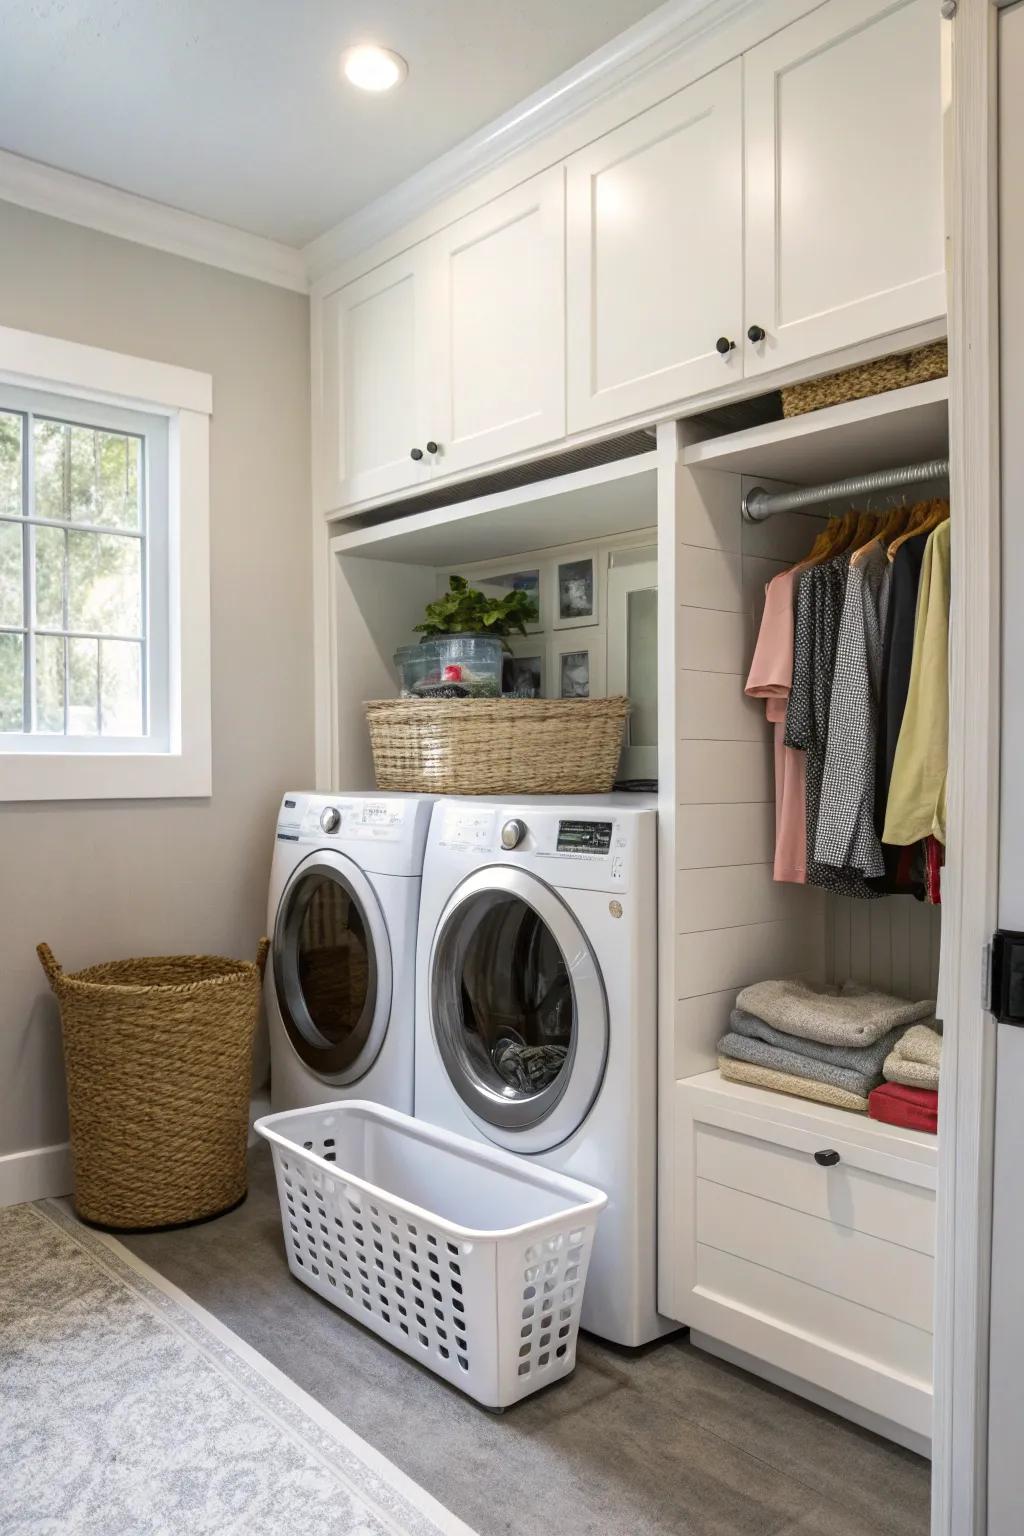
pixel 158 1056
pixel 874 378
pixel 497 746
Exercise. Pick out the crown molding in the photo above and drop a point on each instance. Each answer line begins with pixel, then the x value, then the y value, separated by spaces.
pixel 79 200
pixel 650 43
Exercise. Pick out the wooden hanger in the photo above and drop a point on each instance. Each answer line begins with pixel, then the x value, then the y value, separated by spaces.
pixel 892 524
pixel 868 524
pixel 830 540
pixel 925 517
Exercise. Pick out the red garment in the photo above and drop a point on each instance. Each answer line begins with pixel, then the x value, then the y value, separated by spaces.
pixel 916 1109
pixel 934 858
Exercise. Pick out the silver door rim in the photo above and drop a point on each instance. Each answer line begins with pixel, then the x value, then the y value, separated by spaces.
pixel 337 866
pixel 574 1090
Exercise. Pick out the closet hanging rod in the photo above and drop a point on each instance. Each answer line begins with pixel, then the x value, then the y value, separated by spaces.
pixel 759 504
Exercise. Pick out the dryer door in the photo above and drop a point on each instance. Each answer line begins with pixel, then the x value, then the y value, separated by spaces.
pixel 518 1009
pixel 332 967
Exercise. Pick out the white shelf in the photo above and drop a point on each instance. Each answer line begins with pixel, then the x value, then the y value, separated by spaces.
pixel 918 1146
pixel 905 426
pixel 591 504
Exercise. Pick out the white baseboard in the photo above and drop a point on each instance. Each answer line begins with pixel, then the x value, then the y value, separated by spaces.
pixel 824 1399
pixel 41 1173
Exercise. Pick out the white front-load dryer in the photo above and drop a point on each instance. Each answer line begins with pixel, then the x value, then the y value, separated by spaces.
pixel 342 915
pixel 536 1007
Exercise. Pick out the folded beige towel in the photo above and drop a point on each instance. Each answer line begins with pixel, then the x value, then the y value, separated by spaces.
pixel 782 1082
pixel 915 1059
pixel 922 1043
pixel 851 1016
pixel 912 1074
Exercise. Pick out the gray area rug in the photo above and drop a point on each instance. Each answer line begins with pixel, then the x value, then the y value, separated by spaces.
pixel 129 1411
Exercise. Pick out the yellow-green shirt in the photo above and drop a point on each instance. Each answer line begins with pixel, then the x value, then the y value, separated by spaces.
pixel 917 792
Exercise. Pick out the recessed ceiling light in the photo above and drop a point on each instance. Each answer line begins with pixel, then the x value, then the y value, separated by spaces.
pixel 372 68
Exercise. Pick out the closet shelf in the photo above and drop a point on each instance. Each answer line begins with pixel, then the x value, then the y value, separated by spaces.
pixel 591 504
pixel 904 426
pixel 893 1140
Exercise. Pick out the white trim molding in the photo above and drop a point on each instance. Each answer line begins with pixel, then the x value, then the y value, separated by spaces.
pixel 41 1173
pixel 650 44
pixel 969 907
pixel 34 361
pixel 62 195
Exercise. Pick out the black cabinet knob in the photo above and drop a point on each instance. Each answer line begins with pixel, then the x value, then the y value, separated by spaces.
pixel 826 1159
pixel 756 333
pixel 724 345
pixel 432 447
pixel 417 454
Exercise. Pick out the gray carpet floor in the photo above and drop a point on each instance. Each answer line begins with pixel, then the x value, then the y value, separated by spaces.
pixel 670 1442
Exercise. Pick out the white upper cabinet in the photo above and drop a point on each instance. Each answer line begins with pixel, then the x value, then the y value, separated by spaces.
pixel 375 382
pixel 655 255
pixel 497 326
pixel 843 123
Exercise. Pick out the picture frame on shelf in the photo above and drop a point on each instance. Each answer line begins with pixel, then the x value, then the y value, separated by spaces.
pixel 577 666
pixel 577 591
pixel 499 577
pixel 525 668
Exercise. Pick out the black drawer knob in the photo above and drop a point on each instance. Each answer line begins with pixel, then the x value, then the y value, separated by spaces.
pixel 826 1159
pixel 724 345
pixel 417 454
pixel 756 333
pixel 432 447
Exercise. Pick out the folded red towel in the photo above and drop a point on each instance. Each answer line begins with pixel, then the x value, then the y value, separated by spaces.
pixel 916 1109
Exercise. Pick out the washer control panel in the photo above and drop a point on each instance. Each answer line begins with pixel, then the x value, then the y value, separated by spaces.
pixel 308 818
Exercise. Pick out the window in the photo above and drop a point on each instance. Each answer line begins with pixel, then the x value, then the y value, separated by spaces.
pixel 83 576
pixel 104 574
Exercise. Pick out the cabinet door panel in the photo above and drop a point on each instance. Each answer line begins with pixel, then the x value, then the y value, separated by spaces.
pixel 843 119
pixel 373 382
pixel 497 326
pixel 655 255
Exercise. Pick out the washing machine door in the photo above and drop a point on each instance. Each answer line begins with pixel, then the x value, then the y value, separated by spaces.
pixel 518 1009
pixel 332 967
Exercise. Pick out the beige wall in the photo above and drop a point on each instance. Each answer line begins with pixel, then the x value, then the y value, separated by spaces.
pixel 103 880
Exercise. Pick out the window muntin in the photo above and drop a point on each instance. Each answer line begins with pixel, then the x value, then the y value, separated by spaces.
pixel 83 576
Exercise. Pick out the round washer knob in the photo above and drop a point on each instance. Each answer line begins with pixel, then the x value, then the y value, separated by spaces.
pixel 331 819
pixel 512 833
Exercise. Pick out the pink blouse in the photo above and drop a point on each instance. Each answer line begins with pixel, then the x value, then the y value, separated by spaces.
pixel 771 677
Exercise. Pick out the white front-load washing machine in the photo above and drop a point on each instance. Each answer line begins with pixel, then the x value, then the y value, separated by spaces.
pixel 342 912
pixel 536 1011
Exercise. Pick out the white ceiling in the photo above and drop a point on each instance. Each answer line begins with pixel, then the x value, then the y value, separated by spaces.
pixel 234 109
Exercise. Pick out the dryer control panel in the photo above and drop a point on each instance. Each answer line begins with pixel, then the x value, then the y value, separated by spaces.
pixel 317 818
pixel 590 848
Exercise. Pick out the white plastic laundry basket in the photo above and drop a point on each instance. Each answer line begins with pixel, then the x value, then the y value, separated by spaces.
pixel 469 1258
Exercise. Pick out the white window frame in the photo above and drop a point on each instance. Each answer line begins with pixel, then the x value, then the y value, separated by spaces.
pixel 177 763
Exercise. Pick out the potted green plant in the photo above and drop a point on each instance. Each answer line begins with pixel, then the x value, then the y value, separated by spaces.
pixel 464 636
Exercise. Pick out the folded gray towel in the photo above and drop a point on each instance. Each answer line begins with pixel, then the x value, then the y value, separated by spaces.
pixel 867 1059
pixel 744 1048
pixel 853 1016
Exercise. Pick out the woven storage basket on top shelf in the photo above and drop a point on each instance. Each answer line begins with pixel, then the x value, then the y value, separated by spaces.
pixel 158 1056
pixel 497 746
pixel 876 378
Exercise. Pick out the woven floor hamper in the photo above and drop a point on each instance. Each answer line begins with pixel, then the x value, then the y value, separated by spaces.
pixel 158 1057
pixel 497 746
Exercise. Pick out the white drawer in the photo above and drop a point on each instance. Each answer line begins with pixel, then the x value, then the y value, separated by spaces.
pixel 825 1272
pixel 846 1195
